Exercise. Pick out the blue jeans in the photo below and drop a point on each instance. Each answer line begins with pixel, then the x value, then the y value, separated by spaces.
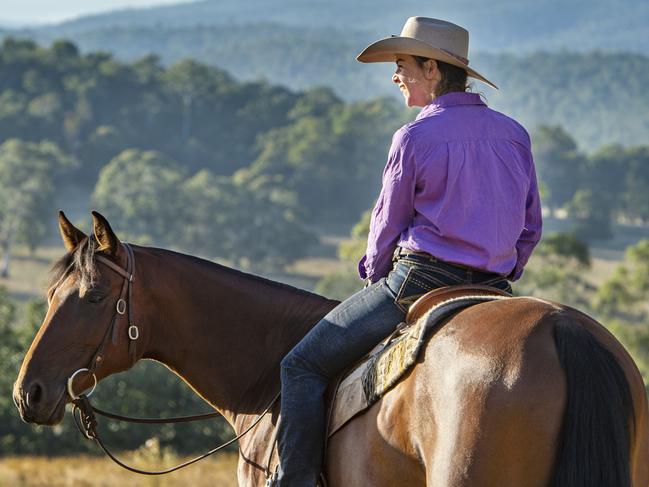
pixel 340 339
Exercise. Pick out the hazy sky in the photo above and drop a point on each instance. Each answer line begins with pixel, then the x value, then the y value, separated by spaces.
pixel 42 11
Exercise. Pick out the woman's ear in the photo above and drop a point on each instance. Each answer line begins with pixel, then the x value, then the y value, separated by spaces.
pixel 430 69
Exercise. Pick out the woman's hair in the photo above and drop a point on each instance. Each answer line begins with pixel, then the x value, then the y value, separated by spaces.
pixel 453 78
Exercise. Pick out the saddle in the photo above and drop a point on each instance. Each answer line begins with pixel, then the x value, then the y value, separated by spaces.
pixel 367 381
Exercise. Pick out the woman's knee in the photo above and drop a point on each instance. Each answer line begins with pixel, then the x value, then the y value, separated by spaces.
pixel 294 361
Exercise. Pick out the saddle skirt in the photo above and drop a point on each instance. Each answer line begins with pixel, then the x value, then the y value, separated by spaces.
pixel 383 367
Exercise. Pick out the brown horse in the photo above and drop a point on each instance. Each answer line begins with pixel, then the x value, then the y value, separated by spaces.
pixel 520 392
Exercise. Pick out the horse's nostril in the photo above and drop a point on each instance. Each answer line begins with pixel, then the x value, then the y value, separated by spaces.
pixel 34 395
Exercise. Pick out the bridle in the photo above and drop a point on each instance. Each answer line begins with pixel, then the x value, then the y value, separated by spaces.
pixel 86 420
pixel 122 310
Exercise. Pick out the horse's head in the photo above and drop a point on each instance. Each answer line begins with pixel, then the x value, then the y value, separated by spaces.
pixel 76 332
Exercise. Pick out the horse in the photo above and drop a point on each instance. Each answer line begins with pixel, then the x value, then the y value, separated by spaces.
pixel 514 392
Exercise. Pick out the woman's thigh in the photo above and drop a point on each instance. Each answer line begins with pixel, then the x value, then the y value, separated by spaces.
pixel 349 331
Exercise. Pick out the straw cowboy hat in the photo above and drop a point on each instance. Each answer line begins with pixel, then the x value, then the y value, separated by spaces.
pixel 431 38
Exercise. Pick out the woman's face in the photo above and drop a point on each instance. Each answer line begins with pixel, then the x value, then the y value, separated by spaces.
pixel 415 82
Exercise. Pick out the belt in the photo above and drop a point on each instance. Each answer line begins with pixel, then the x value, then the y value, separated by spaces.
pixel 401 252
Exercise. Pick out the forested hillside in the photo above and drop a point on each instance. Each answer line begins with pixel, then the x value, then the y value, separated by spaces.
pixel 184 155
pixel 600 95
pixel 151 142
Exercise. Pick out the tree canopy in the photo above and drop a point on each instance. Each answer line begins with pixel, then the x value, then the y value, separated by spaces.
pixel 28 172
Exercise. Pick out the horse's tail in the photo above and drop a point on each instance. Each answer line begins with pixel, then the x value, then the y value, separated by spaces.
pixel 594 442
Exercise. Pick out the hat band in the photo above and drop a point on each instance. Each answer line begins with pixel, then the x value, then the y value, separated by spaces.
pixel 463 60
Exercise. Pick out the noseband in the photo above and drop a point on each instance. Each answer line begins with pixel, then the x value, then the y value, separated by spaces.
pixel 122 311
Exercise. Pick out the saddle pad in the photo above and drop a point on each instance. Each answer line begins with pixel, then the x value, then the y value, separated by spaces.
pixel 387 363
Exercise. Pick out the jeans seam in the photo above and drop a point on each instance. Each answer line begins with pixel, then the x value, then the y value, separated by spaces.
pixel 422 284
pixel 397 297
pixel 446 273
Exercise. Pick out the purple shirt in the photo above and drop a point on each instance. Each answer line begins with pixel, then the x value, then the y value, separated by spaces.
pixel 459 184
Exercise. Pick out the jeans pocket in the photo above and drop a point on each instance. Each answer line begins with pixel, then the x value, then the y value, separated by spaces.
pixel 414 286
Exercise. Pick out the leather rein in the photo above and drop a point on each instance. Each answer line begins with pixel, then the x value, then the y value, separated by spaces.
pixel 84 413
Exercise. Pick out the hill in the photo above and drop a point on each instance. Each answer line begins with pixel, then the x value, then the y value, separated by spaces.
pixel 499 25
pixel 599 95
pixel 556 62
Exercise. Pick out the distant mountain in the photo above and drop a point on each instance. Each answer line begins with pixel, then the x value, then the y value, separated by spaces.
pixel 600 96
pixel 498 25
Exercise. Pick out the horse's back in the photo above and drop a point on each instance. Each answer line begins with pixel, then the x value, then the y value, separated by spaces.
pixel 483 406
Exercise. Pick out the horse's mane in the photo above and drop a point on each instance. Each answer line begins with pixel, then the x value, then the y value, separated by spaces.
pixel 81 261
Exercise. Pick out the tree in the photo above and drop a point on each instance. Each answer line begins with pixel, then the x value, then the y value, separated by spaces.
pixel 352 250
pixel 210 214
pixel 340 151
pixel 565 246
pixel 258 228
pixel 560 166
pixel 28 172
pixel 342 284
pixel 140 192
pixel 555 271
pixel 605 177
pixel 636 196
pixel 625 294
pixel 192 82
pixel 591 214
pixel 315 102
pixel 63 53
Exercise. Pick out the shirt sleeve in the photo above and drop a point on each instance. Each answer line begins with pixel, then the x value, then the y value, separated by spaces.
pixel 531 233
pixel 394 209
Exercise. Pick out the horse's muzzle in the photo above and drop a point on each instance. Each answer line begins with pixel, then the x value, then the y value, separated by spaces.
pixel 38 404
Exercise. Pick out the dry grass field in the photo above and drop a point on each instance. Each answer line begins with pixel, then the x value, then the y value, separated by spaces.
pixel 84 471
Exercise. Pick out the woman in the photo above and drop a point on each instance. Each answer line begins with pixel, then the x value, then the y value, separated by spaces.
pixel 459 204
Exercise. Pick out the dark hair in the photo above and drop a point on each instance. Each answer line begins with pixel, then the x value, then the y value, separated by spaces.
pixel 79 261
pixel 453 77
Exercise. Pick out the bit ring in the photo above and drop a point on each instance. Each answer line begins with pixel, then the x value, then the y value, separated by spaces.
pixel 71 393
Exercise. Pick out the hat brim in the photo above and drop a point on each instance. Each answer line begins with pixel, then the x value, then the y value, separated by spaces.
pixel 386 50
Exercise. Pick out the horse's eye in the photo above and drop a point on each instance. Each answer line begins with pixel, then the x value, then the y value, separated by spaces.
pixel 95 297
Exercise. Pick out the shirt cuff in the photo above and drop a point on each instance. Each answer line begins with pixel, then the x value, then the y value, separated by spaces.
pixel 516 273
pixel 362 272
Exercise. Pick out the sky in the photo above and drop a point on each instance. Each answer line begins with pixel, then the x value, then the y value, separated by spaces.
pixel 27 12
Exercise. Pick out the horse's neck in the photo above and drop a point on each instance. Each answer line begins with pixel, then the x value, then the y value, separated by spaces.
pixel 223 331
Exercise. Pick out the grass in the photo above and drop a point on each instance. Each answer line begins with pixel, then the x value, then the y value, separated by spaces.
pixel 86 471
pixel 28 273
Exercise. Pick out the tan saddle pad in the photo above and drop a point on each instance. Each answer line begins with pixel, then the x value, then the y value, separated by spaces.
pixel 382 368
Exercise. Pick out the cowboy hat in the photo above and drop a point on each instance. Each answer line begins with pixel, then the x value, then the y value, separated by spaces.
pixel 426 37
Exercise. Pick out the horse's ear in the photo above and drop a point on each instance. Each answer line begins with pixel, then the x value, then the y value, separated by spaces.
pixel 70 234
pixel 108 241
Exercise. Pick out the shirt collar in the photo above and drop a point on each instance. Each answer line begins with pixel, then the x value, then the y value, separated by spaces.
pixel 449 100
